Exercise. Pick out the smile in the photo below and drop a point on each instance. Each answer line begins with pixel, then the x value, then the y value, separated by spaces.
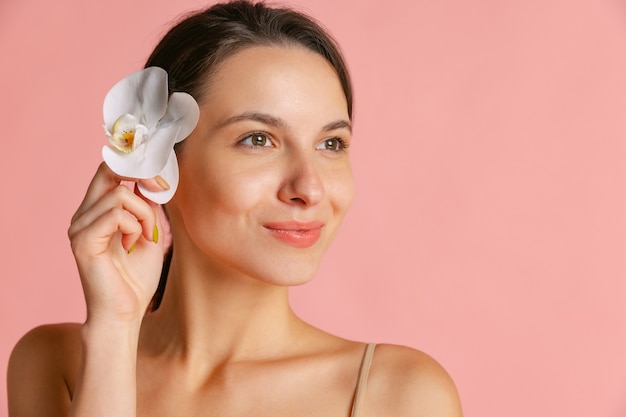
pixel 299 235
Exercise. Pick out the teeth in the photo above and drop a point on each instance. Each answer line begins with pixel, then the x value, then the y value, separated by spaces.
pixel 123 135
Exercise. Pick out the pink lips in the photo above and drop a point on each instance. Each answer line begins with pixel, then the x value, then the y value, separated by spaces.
pixel 300 235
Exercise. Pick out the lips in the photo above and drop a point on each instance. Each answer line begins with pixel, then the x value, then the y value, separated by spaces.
pixel 297 234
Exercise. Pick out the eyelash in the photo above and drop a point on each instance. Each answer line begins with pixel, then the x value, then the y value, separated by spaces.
pixel 342 146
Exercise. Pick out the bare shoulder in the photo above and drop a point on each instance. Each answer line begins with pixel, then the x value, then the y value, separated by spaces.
pixel 42 370
pixel 407 382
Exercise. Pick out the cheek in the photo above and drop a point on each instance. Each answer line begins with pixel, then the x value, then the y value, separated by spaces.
pixel 341 189
pixel 223 187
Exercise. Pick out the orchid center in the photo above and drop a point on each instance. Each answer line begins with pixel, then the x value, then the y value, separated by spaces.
pixel 127 133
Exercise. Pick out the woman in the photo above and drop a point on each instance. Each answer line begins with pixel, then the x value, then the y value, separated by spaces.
pixel 265 181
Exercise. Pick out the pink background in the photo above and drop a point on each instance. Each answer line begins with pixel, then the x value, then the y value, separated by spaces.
pixel 489 227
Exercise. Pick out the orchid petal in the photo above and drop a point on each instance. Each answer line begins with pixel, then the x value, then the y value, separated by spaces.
pixel 143 94
pixel 183 110
pixel 160 144
pixel 141 134
pixel 170 174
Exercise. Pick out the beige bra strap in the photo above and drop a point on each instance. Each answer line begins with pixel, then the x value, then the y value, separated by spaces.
pixel 359 393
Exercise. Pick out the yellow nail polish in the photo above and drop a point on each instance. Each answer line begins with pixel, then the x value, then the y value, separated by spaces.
pixel 155 234
pixel 161 181
pixel 132 248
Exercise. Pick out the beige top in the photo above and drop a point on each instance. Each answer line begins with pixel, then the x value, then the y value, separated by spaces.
pixel 359 393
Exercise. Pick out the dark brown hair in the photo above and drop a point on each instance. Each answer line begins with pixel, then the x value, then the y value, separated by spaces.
pixel 193 49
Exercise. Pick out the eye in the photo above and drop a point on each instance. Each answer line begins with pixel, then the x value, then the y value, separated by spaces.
pixel 257 139
pixel 333 144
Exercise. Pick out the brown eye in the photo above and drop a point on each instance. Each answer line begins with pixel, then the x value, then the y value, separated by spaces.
pixel 257 139
pixel 332 144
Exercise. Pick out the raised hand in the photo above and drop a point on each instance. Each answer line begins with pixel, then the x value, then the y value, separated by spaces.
pixel 114 238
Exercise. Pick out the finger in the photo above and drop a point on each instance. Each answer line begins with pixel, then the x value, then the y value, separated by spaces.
pixel 120 197
pixel 96 238
pixel 105 180
pixel 155 184
pixel 102 182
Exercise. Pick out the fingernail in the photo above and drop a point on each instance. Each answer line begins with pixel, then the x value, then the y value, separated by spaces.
pixel 155 234
pixel 132 248
pixel 161 181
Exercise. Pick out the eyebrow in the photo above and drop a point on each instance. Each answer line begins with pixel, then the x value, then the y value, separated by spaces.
pixel 339 124
pixel 270 120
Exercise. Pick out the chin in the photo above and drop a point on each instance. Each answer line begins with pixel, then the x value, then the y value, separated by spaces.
pixel 289 273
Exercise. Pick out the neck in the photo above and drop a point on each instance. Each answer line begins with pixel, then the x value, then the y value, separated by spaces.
pixel 216 313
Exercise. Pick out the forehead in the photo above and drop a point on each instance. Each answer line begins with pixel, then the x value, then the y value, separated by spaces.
pixel 276 78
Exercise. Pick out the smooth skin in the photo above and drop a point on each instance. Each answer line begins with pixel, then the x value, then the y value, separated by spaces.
pixel 272 145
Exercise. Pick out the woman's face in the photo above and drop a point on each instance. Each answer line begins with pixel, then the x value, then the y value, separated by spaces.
pixel 265 177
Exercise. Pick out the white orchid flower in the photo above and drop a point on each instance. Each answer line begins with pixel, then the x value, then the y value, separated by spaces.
pixel 143 124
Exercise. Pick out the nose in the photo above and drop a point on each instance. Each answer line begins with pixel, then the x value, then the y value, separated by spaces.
pixel 302 184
